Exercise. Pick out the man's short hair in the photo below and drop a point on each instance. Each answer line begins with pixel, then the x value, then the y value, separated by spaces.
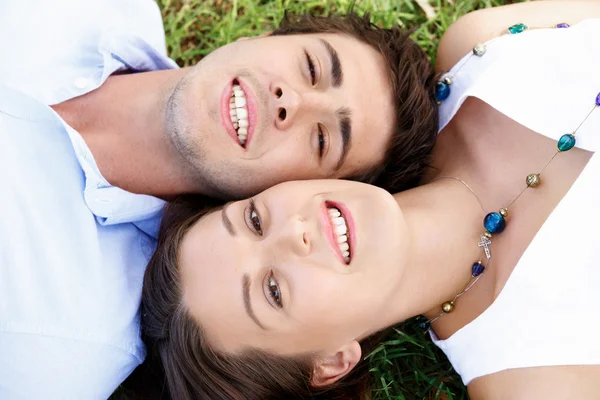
pixel 412 79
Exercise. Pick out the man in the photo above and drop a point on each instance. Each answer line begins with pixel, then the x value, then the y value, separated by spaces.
pixel 98 127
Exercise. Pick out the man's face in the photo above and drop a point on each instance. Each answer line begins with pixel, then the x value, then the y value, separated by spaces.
pixel 271 109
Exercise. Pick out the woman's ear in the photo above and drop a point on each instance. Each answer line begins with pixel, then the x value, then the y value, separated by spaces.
pixel 333 368
pixel 254 37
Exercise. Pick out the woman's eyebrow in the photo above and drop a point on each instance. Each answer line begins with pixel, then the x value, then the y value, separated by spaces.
pixel 246 282
pixel 226 221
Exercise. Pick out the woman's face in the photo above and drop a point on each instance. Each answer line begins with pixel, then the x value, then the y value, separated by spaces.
pixel 303 267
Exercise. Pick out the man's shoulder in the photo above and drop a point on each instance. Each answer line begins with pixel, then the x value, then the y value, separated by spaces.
pixel 51 367
pixel 57 50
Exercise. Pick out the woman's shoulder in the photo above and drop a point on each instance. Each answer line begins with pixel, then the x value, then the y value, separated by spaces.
pixel 483 25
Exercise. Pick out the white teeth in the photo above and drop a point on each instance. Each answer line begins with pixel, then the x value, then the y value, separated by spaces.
pixel 242 113
pixel 240 101
pixel 238 112
pixel 339 221
pixel 341 229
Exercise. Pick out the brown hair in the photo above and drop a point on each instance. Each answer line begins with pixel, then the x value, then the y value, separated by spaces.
pixel 179 356
pixel 192 367
pixel 412 80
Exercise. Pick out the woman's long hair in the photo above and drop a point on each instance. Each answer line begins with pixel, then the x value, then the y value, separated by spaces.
pixel 182 364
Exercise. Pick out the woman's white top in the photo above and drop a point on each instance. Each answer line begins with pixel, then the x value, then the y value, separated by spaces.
pixel 548 312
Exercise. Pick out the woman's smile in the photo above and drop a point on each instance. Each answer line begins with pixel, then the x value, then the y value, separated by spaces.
pixel 338 227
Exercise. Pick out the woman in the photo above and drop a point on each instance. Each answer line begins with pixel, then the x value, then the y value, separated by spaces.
pixel 279 296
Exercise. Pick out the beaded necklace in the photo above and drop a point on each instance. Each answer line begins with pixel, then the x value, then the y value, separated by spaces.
pixel 494 222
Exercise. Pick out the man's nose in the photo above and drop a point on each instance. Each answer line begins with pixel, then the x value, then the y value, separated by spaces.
pixel 287 102
pixel 291 105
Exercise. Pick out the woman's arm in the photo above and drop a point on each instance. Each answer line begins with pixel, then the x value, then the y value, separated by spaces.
pixel 483 25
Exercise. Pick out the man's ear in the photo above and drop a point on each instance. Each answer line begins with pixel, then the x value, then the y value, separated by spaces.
pixel 333 368
pixel 254 37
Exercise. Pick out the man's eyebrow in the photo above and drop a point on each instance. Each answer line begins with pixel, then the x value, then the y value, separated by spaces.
pixel 247 304
pixel 345 124
pixel 337 74
pixel 227 222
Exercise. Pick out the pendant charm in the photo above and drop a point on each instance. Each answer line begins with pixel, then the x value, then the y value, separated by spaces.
pixel 485 243
pixel 423 323
pixel 494 222
pixel 533 180
pixel 518 28
pixel 566 142
pixel 448 307
pixel 477 269
pixel 479 49
pixel 442 91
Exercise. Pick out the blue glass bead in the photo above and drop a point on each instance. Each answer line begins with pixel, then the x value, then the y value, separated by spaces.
pixel 598 100
pixel 477 269
pixel 518 28
pixel 442 91
pixel 494 222
pixel 423 323
pixel 566 142
pixel 563 25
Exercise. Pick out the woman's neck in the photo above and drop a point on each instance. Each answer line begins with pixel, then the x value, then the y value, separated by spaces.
pixel 445 216
pixel 444 224
pixel 492 154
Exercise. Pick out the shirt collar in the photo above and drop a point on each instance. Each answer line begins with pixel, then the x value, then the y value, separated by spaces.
pixel 112 205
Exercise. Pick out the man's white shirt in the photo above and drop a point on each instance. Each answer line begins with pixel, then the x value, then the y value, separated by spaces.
pixel 73 248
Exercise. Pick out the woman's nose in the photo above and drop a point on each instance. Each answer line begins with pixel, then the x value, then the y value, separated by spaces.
pixel 295 237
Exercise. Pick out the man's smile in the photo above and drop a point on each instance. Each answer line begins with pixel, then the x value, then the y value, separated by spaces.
pixel 238 112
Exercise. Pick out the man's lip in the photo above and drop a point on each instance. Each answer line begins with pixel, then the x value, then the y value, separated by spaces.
pixel 329 230
pixel 252 110
pixel 225 117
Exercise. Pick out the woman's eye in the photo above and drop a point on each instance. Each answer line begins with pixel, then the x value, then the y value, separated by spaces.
pixel 274 291
pixel 254 218
pixel 311 69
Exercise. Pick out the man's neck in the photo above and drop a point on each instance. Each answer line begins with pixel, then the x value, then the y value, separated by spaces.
pixel 123 124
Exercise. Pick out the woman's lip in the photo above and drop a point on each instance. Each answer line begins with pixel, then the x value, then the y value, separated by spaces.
pixel 329 229
pixel 225 117
pixel 251 106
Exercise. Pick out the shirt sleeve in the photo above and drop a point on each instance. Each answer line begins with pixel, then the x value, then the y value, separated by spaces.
pixel 46 367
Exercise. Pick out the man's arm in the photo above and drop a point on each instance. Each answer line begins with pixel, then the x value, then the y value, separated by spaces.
pixel 483 25
pixel 36 366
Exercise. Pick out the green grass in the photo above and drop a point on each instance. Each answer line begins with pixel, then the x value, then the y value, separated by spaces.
pixel 407 365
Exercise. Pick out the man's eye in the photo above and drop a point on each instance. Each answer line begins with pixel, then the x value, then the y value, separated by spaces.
pixel 311 69
pixel 254 218
pixel 274 291
pixel 322 141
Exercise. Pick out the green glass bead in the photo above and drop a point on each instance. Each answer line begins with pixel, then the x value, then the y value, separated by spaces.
pixel 518 28
pixel 566 142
